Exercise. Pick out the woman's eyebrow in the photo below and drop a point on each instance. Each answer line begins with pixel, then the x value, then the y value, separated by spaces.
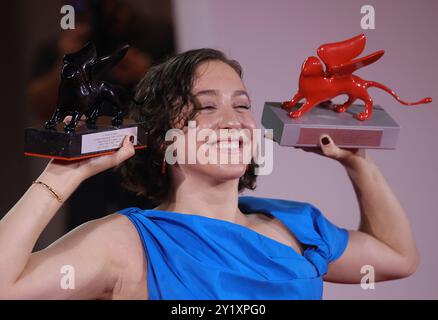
pixel 209 92
pixel 213 92
pixel 240 93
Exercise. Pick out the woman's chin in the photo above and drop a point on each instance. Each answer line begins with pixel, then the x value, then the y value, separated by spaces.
pixel 226 171
pixel 230 171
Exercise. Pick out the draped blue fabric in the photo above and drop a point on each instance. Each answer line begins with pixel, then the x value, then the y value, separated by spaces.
pixel 196 257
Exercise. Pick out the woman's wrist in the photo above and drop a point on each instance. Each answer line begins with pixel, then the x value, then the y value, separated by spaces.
pixel 357 162
pixel 62 184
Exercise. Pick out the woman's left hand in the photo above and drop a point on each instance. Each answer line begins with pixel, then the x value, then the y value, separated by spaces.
pixel 329 149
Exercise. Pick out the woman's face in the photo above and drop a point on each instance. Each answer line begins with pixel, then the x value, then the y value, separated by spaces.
pixel 223 125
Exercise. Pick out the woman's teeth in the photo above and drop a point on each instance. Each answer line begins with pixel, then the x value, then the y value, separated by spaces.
pixel 228 145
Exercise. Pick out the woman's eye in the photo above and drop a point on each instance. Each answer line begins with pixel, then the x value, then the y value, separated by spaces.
pixel 244 107
pixel 208 108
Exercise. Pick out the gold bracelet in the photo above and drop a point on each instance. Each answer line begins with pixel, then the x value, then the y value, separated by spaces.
pixel 49 188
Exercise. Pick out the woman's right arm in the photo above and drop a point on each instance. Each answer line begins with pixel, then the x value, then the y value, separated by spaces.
pixel 85 251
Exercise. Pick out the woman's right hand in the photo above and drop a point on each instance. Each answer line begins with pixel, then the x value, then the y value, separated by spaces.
pixel 79 170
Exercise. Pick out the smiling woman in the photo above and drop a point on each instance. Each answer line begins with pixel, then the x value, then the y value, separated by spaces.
pixel 191 86
pixel 202 240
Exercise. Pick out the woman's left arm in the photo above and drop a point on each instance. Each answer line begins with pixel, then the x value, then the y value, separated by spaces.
pixel 384 239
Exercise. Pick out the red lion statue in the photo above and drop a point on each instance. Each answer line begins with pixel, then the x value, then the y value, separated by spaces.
pixel 317 85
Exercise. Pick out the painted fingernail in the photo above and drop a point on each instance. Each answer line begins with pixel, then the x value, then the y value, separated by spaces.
pixel 325 141
pixel 131 138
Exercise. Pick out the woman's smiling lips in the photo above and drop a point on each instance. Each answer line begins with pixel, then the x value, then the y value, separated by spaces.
pixel 228 144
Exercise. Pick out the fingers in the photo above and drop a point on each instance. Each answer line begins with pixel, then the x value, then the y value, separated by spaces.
pixel 67 119
pixel 311 149
pixel 330 149
pixel 95 165
pixel 125 152
pixel 86 168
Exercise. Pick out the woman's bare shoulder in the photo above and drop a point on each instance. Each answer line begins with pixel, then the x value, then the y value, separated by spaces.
pixel 127 255
pixel 121 234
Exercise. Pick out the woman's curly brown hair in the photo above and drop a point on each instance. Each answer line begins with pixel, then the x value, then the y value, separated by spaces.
pixel 159 101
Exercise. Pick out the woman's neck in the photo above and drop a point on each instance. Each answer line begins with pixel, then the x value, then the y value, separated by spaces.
pixel 213 200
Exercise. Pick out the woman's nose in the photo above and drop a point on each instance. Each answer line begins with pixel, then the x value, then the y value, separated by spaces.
pixel 229 119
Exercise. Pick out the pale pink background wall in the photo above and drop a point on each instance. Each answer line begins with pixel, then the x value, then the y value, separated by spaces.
pixel 272 38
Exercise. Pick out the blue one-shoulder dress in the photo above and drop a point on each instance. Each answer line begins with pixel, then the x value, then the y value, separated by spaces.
pixel 196 257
